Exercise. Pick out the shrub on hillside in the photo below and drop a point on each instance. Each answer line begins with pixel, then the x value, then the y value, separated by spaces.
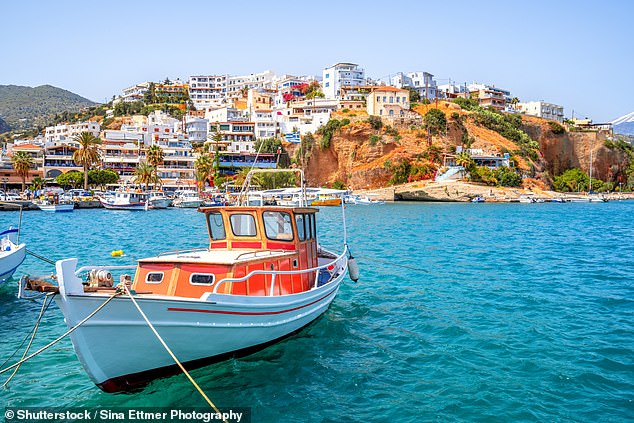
pixel 556 128
pixel 375 122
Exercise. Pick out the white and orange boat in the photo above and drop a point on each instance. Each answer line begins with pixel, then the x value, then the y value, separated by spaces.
pixel 262 277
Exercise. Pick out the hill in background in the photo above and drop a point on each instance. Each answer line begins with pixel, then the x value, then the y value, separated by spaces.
pixel 27 107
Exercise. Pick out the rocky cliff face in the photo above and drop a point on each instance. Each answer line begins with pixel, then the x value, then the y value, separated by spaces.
pixel 364 158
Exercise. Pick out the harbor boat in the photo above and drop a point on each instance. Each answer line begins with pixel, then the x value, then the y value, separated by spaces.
pixel 59 207
pixel 188 199
pixel 262 277
pixel 158 200
pixel 51 202
pixel 365 200
pixel 125 200
pixel 12 253
pixel 477 199
pixel 326 197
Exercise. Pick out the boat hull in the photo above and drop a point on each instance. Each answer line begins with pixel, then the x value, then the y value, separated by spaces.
pixel 188 204
pixel 129 206
pixel 10 261
pixel 119 351
pixel 56 207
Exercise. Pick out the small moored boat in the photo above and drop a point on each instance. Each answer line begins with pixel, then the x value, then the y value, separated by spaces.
pixel 188 199
pixel 12 253
pixel 126 200
pixel 262 277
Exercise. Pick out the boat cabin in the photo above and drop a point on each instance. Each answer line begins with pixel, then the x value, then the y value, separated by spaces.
pixel 241 240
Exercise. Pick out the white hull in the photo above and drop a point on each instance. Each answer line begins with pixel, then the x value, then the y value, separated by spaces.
pixel 160 203
pixel 56 207
pixel 10 261
pixel 118 350
pixel 190 204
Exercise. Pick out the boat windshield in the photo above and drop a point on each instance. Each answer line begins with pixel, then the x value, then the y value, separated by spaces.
pixel 216 226
pixel 277 225
pixel 243 225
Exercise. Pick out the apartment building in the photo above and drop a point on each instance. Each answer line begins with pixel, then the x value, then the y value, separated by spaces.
pixel 171 91
pixel 207 91
pixel 422 82
pixel 490 95
pixel 64 133
pixel 134 93
pixel 196 129
pixel 341 75
pixel 389 102
pixel 178 161
pixel 265 125
pixel 542 109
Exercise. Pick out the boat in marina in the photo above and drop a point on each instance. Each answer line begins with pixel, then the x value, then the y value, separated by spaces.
pixel 188 199
pixel 262 277
pixel 12 253
pixel 158 200
pixel 477 199
pixel 59 207
pixel 326 197
pixel 126 200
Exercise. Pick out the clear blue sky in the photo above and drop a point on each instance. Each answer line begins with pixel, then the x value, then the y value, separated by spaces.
pixel 578 54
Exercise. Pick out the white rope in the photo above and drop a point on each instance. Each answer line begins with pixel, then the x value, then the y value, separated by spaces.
pixel 68 332
pixel 125 287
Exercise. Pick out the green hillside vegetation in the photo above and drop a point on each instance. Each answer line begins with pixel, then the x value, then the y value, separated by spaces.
pixel 4 127
pixel 28 108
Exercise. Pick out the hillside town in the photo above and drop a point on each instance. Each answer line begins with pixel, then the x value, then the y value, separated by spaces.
pixel 224 116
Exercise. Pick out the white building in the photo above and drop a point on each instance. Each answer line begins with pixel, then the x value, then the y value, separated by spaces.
pixel 134 93
pixel 423 82
pixel 196 129
pixel 236 84
pixel 65 133
pixel 224 114
pixel 265 125
pixel 542 109
pixel 208 90
pixel 305 115
pixel 341 74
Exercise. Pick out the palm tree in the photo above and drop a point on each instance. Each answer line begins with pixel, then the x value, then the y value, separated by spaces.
pixel 464 159
pixel 145 174
pixel 514 102
pixel 155 158
pixel 204 166
pixel 87 154
pixel 22 162
pixel 37 184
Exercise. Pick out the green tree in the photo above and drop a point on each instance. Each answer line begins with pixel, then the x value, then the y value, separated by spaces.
pixel 70 179
pixel 37 184
pixel 155 158
pixel 464 159
pixel 204 167
pixel 103 177
pixel 572 180
pixel 435 121
pixel 88 153
pixel 414 96
pixel 507 177
pixel 145 174
pixel 22 163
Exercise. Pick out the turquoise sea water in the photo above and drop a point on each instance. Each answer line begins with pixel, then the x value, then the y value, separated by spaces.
pixel 516 312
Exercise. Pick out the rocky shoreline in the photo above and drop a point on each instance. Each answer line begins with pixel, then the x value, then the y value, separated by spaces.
pixel 457 191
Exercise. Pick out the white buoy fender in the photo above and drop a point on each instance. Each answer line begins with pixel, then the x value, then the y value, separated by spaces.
pixel 353 269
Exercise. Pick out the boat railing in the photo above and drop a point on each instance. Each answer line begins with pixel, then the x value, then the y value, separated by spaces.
pixel 274 273
pixel 263 253
pixel 188 250
pixel 88 268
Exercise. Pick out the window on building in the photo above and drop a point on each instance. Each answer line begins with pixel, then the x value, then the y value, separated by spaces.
pixel 391 112
pixel 391 99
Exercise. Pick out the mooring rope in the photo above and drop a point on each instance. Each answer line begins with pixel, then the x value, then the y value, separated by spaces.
pixel 25 338
pixel 68 332
pixel 33 333
pixel 38 256
pixel 191 379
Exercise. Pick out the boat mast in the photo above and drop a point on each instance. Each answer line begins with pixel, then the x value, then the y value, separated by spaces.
pixel 590 171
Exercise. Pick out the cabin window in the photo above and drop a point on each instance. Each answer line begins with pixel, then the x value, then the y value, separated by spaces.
pixel 202 279
pixel 243 224
pixel 299 222
pixel 216 226
pixel 277 225
pixel 154 277
pixel 313 227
